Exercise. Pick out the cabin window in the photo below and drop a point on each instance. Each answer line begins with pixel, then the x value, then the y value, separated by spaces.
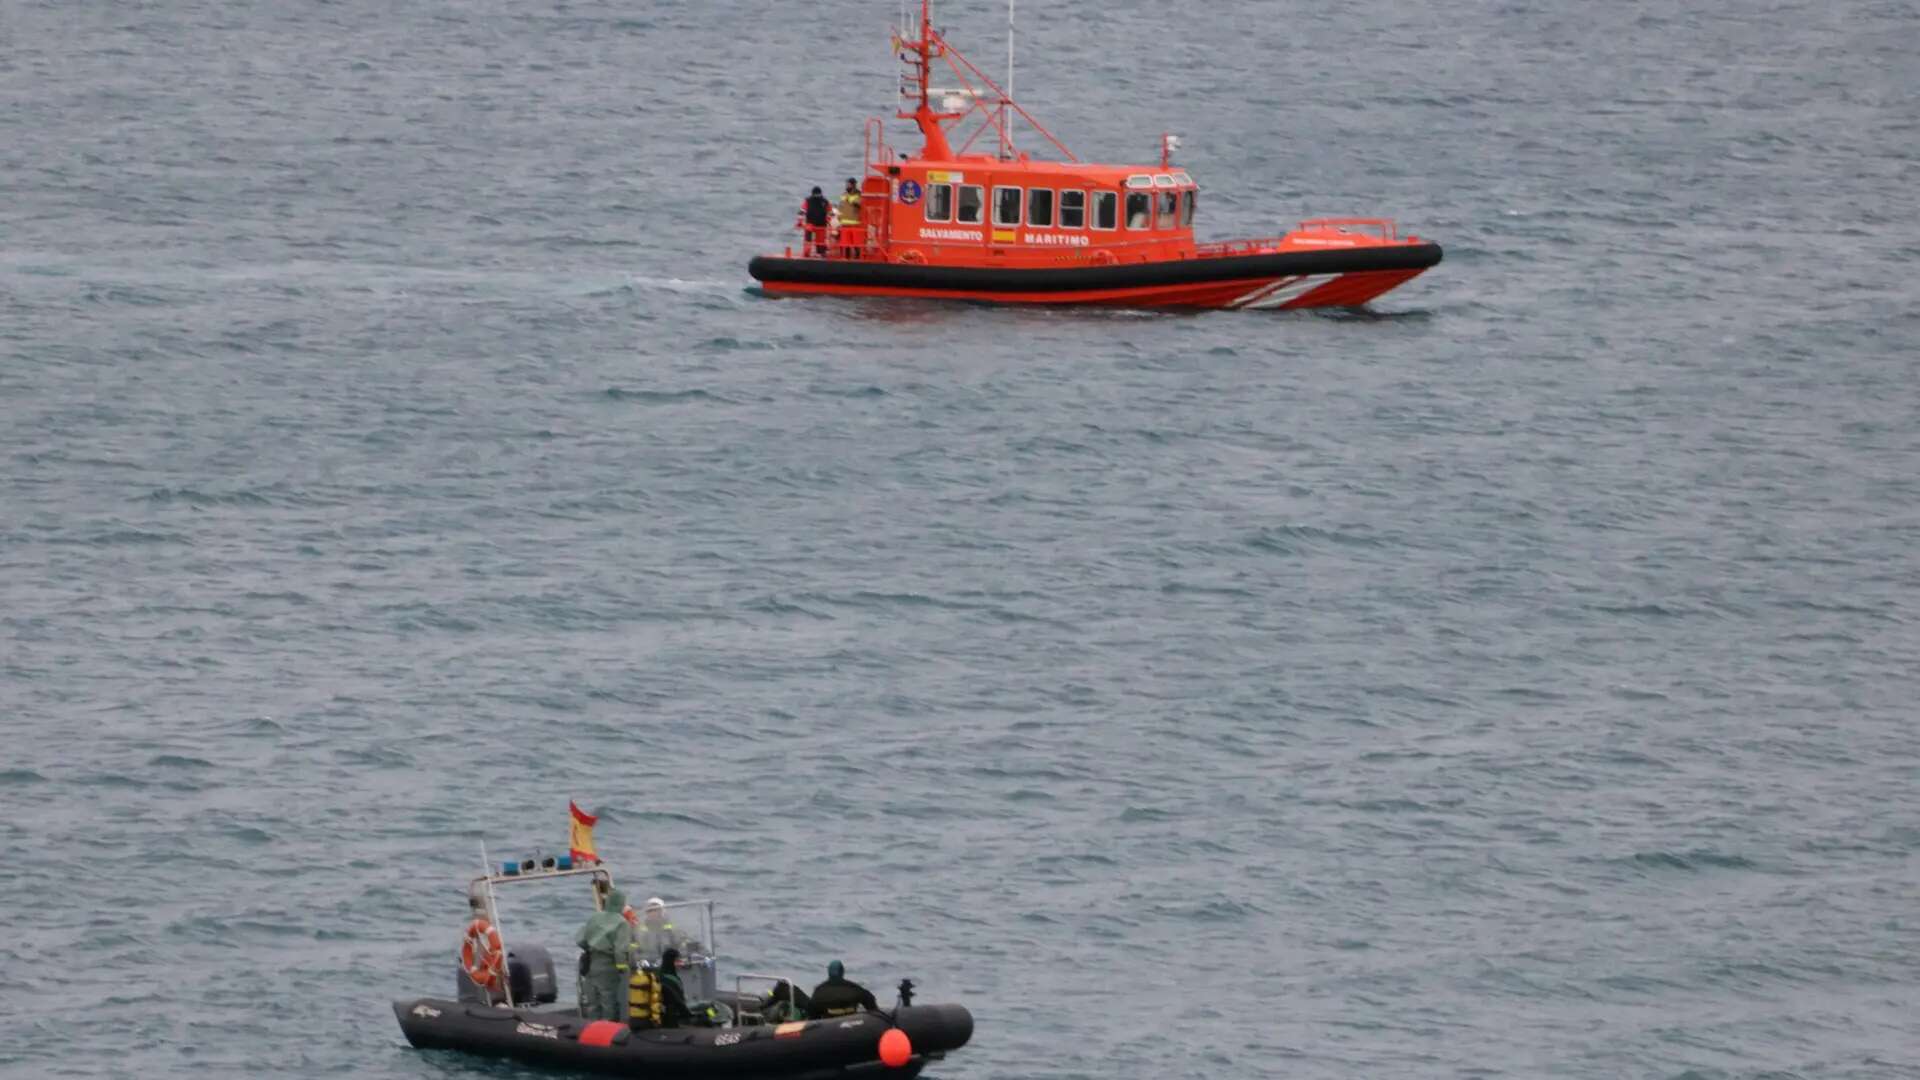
pixel 973 204
pixel 1006 206
pixel 1106 210
pixel 939 202
pixel 1040 208
pixel 1169 209
pixel 1186 208
pixel 1139 210
pixel 1073 209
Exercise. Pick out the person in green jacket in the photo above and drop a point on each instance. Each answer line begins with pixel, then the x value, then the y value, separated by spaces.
pixel 607 942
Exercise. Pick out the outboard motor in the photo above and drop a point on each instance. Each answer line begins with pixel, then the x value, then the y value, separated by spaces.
pixel 529 972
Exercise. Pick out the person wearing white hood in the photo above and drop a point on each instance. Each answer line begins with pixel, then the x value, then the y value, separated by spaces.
pixel 655 932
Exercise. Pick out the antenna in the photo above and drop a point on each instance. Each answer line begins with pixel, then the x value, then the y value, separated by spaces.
pixel 1009 48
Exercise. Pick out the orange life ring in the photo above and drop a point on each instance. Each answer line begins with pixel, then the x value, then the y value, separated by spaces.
pixel 1102 258
pixel 912 257
pixel 482 955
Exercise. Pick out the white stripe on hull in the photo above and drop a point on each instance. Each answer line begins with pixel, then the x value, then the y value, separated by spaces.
pixel 1288 289
pixel 1256 294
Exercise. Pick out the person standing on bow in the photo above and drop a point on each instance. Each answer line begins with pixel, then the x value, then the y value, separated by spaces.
pixel 606 950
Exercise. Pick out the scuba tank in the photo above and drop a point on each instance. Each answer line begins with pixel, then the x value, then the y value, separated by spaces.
pixel 643 1000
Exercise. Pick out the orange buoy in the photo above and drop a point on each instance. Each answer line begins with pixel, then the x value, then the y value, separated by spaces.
pixel 895 1048
pixel 482 955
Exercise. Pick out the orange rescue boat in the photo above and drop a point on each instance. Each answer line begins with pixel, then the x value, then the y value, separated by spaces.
pixel 1003 227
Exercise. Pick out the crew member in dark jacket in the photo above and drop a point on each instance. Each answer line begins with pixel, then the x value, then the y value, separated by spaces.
pixel 839 995
pixel 673 996
pixel 817 213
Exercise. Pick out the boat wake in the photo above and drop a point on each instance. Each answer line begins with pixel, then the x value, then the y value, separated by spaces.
pixel 683 285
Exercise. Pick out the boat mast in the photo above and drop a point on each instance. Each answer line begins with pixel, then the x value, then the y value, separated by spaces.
pixel 924 50
pixel 1006 126
pixel 977 91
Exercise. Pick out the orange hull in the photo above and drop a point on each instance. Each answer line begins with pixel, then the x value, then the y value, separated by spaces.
pixel 1266 282
pixel 1268 294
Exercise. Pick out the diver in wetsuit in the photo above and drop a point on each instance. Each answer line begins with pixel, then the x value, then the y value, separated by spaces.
pixel 839 995
pixel 673 996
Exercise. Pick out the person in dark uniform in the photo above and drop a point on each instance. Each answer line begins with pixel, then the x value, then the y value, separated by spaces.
pixel 785 1002
pixel 673 996
pixel 839 995
pixel 817 214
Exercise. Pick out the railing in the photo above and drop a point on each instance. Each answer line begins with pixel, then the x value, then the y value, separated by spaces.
pixel 740 995
pixel 874 149
pixel 1221 249
pixel 848 242
pixel 1381 227
pixel 1321 232
pixel 831 242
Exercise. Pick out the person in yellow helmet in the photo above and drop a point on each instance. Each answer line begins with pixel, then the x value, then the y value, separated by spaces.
pixel 853 234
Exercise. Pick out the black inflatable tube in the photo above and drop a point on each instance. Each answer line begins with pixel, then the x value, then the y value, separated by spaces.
pixel 773 268
pixel 830 1049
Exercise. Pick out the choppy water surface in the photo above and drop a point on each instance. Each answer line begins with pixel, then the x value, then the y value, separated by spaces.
pixel 1516 681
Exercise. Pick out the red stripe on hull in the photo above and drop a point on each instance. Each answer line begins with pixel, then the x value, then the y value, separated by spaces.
pixel 1346 290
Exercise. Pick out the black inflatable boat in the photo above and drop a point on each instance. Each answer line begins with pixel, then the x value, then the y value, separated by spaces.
pixel 507 1004
pixel 804 1050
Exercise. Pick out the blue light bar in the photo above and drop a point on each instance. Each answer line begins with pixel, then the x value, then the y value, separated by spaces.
pixel 510 868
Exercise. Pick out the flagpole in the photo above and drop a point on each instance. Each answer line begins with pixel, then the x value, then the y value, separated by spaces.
pixel 493 916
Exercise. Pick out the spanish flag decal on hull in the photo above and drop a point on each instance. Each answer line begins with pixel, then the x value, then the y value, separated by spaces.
pixel 582 835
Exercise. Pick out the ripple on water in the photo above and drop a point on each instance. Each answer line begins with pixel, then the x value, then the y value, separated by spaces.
pixel 1512 678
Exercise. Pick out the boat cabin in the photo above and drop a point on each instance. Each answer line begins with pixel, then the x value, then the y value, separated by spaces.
pixel 984 211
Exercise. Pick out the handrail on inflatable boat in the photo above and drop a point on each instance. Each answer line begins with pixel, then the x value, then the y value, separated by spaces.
pixel 739 994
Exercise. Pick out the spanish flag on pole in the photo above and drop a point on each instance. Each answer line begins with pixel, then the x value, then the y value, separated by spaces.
pixel 581 840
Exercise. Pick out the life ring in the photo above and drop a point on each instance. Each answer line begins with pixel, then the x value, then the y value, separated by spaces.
pixel 912 257
pixel 482 955
pixel 1102 258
